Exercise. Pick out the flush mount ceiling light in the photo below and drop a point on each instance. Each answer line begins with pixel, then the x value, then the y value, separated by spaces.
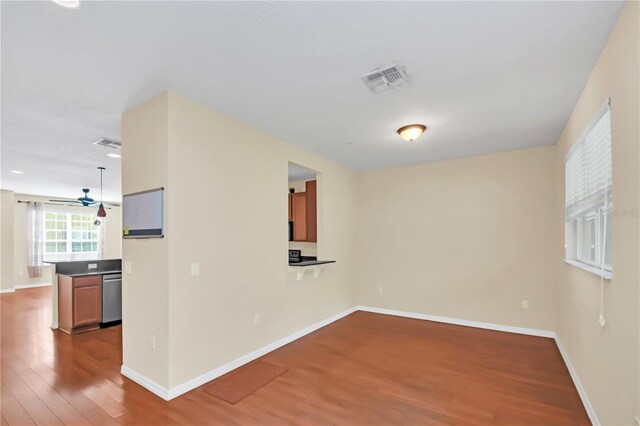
pixel 411 132
pixel 69 4
pixel 17 172
pixel 112 155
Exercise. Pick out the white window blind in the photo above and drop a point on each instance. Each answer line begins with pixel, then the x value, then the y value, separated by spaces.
pixel 588 168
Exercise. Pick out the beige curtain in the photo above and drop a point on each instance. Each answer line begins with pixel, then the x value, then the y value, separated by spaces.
pixel 35 238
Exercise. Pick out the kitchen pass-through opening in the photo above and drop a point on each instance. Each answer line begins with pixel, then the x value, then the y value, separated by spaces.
pixel 303 213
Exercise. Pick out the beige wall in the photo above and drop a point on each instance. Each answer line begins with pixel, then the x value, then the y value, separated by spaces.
pixel 145 291
pixel 205 150
pixel 6 245
pixel 235 231
pixel 607 359
pixel 466 238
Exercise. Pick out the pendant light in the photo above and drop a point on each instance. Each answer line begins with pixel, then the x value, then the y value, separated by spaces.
pixel 411 132
pixel 101 211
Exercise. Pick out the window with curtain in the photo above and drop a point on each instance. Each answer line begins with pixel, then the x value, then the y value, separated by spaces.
pixel 588 201
pixel 71 235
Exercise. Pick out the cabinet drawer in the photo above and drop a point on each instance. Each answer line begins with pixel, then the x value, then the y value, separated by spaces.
pixel 90 280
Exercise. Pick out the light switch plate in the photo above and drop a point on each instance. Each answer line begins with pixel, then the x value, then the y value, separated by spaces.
pixel 127 267
pixel 195 269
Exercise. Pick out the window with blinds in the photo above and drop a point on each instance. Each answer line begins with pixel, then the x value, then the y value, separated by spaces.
pixel 588 195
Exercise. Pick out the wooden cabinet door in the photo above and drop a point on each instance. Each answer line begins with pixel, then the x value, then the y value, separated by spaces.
pixel 299 206
pixel 312 211
pixel 87 304
pixel 290 207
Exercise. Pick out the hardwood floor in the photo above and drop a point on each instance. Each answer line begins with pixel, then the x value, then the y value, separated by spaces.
pixel 362 370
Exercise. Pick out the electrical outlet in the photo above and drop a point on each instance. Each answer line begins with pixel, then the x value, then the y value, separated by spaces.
pixel 128 268
pixel 152 343
pixel 256 319
pixel 92 266
pixel 525 304
pixel 195 269
pixel 380 290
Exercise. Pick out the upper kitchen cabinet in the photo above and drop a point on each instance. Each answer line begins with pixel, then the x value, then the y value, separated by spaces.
pixel 303 213
pixel 298 207
pixel 312 211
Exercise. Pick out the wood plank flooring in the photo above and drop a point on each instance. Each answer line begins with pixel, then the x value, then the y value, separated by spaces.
pixel 366 369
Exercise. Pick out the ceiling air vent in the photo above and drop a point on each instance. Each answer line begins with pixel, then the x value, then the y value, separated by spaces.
pixel 385 78
pixel 108 143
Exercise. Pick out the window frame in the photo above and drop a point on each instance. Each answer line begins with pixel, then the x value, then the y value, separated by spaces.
pixel 574 229
pixel 600 213
pixel 69 253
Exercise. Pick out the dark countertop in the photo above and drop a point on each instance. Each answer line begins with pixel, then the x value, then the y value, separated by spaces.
pixel 86 274
pixel 53 262
pixel 311 262
pixel 78 268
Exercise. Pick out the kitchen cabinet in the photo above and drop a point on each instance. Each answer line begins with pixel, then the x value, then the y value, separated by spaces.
pixel 79 303
pixel 303 213
pixel 299 216
pixel 312 211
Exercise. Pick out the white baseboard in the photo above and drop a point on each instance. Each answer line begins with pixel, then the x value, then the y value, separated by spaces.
pixel 591 412
pixel 174 392
pixel 169 394
pixel 455 321
pixel 145 382
pixel 23 286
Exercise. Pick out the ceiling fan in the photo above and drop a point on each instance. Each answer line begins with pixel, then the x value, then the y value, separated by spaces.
pixel 85 200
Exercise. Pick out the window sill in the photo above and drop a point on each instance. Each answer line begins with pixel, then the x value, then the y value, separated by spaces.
pixel 608 275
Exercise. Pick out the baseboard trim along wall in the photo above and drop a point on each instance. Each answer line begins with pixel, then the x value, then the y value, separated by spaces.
pixel 466 323
pixel 23 286
pixel 145 382
pixel 169 394
pixel 591 412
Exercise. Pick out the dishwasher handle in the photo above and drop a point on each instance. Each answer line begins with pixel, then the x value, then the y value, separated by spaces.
pixel 113 277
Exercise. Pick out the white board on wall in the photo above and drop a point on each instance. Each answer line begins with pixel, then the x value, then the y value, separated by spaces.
pixel 142 214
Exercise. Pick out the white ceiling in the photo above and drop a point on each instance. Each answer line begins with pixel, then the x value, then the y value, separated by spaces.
pixel 298 172
pixel 485 77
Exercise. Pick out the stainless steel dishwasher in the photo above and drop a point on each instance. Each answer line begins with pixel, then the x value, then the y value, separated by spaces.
pixel 111 298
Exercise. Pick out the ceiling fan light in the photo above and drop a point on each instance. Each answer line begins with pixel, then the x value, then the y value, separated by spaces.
pixel 101 211
pixel 411 132
pixel 69 4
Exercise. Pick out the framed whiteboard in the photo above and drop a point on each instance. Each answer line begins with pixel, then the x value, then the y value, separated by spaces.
pixel 142 214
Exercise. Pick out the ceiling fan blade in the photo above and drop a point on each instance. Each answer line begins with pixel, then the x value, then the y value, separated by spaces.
pixel 64 201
